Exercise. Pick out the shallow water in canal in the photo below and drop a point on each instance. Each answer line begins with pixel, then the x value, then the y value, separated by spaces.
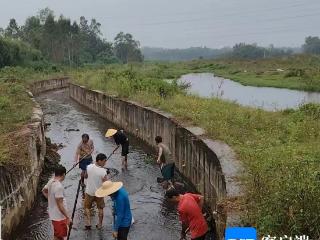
pixel 154 218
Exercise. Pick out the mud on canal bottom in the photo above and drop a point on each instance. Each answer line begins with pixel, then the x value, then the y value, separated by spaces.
pixel 155 219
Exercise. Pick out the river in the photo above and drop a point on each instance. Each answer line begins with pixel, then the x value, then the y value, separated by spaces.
pixel 155 219
pixel 268 98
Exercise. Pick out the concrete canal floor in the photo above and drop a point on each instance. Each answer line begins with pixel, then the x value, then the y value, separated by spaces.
pixel 154 218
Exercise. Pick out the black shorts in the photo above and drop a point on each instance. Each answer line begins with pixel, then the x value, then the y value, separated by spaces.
pixel 125 149
pixel 167 171
pixel 83 164
pixel 123 233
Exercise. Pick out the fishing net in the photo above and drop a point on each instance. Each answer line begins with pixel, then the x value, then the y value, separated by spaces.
pixel 111 172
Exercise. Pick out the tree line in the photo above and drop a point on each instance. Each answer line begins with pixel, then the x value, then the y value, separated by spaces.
pixel 62 41
pixel 238 51
pixel 163 54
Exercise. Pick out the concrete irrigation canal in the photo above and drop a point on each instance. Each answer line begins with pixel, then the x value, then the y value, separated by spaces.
pixel 154 218
pixel 206 166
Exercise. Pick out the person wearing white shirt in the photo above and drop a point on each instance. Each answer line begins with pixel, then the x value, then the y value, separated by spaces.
pixel 57 207
pixel 95 176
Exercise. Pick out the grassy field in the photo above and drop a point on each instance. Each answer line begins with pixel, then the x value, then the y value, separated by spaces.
pixel 280 150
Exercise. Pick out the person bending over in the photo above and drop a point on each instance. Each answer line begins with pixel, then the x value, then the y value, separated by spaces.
pixel 120 138
pixel 190 213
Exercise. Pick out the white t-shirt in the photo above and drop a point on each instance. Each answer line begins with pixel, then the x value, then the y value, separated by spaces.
pixel 94 180
pixel 55 190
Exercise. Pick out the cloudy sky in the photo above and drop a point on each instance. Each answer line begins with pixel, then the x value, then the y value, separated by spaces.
pixel 186 23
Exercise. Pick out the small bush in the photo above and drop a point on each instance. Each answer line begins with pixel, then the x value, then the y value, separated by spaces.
pixel 311 109
pixel 295 73
pixel 4 103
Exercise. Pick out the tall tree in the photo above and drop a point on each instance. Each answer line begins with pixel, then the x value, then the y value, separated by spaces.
pixel 44 13
pixel 127 49
pixel 312 45
pixel 13 30
pixel 31 31
pixel 49 37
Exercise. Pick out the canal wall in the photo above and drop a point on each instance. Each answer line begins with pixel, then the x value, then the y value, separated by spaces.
pixel 209 165
pixel 47 85
pixel 19 178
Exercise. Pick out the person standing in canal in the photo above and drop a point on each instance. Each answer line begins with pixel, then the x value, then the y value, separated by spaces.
pixel 120 138
pixel 165 161
pixel 190 213
pixel 84 155
pixel 57 207
pixel 121 208
pixel 95 176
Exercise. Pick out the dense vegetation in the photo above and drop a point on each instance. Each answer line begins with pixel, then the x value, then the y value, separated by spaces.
pixel 14 53
pixel 62 41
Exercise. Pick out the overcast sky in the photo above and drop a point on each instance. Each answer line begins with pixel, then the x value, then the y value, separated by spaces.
pixel 186 23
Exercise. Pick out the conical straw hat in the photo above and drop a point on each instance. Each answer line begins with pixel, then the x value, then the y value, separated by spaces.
pixel 111 132
pixel 108 188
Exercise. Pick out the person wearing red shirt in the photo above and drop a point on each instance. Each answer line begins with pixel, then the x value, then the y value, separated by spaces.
pixel 190 213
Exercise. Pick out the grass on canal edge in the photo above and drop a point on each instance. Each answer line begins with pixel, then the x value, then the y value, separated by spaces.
pixel 15 105
pixel 15 110
pixel 280 150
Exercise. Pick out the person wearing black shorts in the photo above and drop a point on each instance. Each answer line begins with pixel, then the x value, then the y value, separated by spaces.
pixel 120 138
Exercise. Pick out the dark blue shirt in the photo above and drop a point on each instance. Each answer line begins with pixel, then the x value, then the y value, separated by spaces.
pixel 122 209
pixel 120 138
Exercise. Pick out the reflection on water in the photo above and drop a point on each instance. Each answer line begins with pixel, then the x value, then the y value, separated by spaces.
pixel 208 85
pixel 154 219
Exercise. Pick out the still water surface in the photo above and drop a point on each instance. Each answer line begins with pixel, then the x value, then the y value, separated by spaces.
pixel 268 98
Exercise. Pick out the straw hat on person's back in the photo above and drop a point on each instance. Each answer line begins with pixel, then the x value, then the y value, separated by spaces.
pixel 108 188
pixel 110 132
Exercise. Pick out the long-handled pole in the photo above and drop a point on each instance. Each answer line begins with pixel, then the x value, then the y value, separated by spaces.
pixel 77 163
pixel 113 152
pixel 87 156
pixel 74 209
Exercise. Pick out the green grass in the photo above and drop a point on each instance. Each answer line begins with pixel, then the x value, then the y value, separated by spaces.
pixel 15 104
pixel 15 110
pixel 280 150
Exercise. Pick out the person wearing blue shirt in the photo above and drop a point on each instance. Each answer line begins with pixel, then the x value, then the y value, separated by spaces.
pixel 121 205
